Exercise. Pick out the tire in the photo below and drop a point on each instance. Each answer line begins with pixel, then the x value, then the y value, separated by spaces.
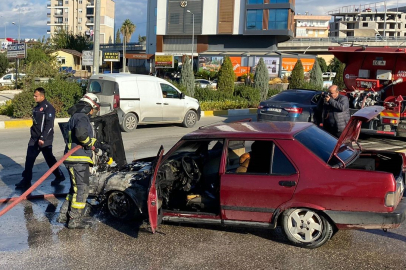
pixel 130 122
pixel 190 119
pixel 306 228
pixel 121 206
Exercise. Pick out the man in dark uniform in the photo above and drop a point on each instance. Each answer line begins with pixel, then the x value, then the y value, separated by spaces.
pixel 80 132
pixel 42 135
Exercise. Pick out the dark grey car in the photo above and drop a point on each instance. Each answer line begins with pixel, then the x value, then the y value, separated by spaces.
pixel 294 105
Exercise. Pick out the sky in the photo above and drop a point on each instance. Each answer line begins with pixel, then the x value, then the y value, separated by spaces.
pixel 32 14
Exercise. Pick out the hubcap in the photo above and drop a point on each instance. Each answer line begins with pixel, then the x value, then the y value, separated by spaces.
pixel 131 122
pixel 118 204
pixel 305 225
pixel 191 119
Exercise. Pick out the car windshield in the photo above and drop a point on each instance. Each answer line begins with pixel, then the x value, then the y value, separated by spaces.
pixel 322 144
pixel 304 97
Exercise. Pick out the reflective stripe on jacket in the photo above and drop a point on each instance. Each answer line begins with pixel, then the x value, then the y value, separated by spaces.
pixel 80 132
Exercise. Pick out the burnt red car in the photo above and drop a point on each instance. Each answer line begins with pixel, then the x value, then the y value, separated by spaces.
pixel 266 174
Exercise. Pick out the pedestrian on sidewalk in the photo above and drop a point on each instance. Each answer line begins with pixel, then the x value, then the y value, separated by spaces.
pixel 42 136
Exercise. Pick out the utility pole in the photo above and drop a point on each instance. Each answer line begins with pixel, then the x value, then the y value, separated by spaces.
pixel 96 43
pixel 193 32
pixel 384 24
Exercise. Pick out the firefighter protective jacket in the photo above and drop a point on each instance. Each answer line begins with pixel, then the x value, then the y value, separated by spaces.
pixel 43 117
pixel 80 132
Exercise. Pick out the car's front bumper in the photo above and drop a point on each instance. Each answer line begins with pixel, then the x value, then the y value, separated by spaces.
pixel 369 220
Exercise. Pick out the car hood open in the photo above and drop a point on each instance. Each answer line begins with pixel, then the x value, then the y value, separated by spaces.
pixel 353 128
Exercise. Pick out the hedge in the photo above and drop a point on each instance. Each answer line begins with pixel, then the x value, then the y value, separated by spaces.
pixel 60 93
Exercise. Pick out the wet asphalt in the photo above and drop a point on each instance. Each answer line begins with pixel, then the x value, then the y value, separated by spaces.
pixel 30 237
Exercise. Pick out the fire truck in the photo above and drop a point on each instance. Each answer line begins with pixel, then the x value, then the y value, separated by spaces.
pixel 376 76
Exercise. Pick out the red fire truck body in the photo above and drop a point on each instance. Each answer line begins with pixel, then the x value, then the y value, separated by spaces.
pixel 376 76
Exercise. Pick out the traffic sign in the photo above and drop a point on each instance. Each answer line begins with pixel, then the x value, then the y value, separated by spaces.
pixel 17 50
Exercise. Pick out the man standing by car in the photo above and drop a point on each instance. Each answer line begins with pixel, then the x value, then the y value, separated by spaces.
pixel 42 135
pixel 336 111
pixel 80 132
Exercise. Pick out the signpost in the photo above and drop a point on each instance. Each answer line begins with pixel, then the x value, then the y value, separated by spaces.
pixel 87 58
pixel 164 61
pixel 17 51
pixel 111 57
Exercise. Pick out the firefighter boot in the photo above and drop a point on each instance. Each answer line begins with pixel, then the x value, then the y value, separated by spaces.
pixel 63 212
pixel 76 220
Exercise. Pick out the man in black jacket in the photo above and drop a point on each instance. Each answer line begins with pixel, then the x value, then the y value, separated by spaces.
pixel 80 132
pixel 336 111
pixel 42 135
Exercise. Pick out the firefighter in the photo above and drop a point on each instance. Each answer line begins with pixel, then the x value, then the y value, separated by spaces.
pixel 42 135
pixel 80 132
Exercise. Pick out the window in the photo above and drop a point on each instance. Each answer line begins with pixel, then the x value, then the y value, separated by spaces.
pixel 80 2
pixel 66 10
pixel 66 2
pixel 174 18
pixel 254 19
pixel 321 32
pixel 80 10
pixel 310 31
pixel 79 20
pixel 168 91
pixel 278 19
pixel 61 60
pixel 80 28
pixel 365 24
pixel 257 157
pixel 253 2
pixel 66 19
pixel 7 77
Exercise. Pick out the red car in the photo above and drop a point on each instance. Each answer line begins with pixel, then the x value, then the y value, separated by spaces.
pixel 267 174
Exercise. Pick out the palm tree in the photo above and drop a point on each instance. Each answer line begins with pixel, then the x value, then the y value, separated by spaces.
pixel 127 29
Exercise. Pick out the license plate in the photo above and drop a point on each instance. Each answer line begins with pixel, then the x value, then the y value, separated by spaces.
pixel 387 128
pixel 274 110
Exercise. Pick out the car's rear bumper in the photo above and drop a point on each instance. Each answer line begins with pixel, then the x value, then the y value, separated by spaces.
pixel 369 220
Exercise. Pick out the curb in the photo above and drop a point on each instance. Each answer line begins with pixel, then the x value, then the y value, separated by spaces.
pixel 28 123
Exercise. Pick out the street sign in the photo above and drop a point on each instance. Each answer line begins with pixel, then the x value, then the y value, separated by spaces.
pixel 17 50
pixel 164 61
pixel 87 58
pixel 111 56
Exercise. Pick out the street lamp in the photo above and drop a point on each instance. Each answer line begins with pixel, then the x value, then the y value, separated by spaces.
pixel 193 32
pixel 18 29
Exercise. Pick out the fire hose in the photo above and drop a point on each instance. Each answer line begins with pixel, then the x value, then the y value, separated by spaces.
pixel 34 186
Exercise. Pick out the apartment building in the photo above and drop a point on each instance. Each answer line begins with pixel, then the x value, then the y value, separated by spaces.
pixel 312 25
pixel 218 25
pixel 77 16
pixel 369 20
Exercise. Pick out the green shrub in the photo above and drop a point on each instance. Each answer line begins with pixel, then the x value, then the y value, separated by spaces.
pixel 316 76
pixel 297 76
pixel 339 78
pixel 60 93
pixel 311 86
pixel 224 105
pixel 226 77
pixel 203 94
pixel 273 92
pixel 188 78
pixel 262 78
pixel 249 93
pixel 7 109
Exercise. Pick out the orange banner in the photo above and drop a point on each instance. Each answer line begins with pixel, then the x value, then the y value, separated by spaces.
pixel 238 69
pixel 289 63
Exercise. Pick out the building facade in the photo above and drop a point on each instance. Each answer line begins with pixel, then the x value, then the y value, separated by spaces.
pixel 371 20
pixel 218 26
pixel 77 17
pixel 312 26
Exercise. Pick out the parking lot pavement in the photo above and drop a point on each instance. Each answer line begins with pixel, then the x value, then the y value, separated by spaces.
pixel 384 143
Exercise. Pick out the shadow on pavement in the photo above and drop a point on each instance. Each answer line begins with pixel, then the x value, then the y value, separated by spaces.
pixel 387 234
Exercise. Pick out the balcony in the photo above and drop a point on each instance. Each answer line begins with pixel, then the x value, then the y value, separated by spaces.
pixel 48 5
pixel 48 14
pixel 58 22
pixel 58 14
pixel 48 22
pixel 90 4
pixel 89 22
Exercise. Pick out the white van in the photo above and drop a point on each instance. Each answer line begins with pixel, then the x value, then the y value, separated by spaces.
pixel 10 78
pixel 143 99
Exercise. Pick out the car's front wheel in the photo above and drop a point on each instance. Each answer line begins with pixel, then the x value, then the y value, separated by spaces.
pixel 130 122
pixel 190 119
pixel 121 206
pixel 306 228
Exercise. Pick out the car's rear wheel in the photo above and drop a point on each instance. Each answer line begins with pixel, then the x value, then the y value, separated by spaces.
pixel 306 228
pixel 130 122
pixel 190 119
pixel 121 206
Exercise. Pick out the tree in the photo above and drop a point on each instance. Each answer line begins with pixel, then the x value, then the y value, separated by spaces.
pixel 334 65
pixel 316 76
pixel 261 79
pixel 127 29
pixel 322 64
pixel 297 76
pixel 142 38
pixel 118 36
pixel 67 40
pixel 226 76
pixel 3 63
pixel 187 79
pixel 36 54
pixel 339 78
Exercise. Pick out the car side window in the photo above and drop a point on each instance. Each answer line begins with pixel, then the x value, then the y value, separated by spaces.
pixel 168 91
pixel 315 98
pixel 251 157
pixel 280 163
pixel 95 87
pixel 7 77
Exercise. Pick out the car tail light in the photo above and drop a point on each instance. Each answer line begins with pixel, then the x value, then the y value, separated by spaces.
pixel 389 121
pixel 116 101
pixel 294 110
pixel 260 106
pixel 390 199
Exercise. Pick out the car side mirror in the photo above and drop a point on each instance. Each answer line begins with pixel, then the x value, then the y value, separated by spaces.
pixel 182 96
